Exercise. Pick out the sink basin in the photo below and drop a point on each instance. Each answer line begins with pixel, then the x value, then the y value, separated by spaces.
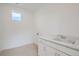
pixel 68 40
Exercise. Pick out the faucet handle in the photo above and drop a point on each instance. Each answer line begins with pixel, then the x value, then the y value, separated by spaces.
pixel 61 36
pixel 37 33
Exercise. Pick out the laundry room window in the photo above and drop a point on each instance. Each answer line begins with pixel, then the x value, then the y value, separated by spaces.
pixel 16 16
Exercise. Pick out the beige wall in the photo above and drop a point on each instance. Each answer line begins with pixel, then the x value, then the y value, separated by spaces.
pixel 59 19
pixel 16 34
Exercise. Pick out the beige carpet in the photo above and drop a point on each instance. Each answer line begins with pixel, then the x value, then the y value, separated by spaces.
pixel 26 50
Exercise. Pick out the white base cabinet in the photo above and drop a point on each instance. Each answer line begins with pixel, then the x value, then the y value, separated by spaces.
pixel 44 50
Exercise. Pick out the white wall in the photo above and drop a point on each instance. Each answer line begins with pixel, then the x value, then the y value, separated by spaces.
pixel 59 19
pixel 53 20
pixel 1 27
pixel 16 34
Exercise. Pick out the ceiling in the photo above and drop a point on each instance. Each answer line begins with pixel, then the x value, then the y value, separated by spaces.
pixel 36 6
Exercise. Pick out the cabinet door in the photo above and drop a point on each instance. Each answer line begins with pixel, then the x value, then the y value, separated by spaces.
pixel 41 49
pixel 49 51
pixel 44 50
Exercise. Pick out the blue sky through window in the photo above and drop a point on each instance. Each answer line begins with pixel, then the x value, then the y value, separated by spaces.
pixel 16 17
